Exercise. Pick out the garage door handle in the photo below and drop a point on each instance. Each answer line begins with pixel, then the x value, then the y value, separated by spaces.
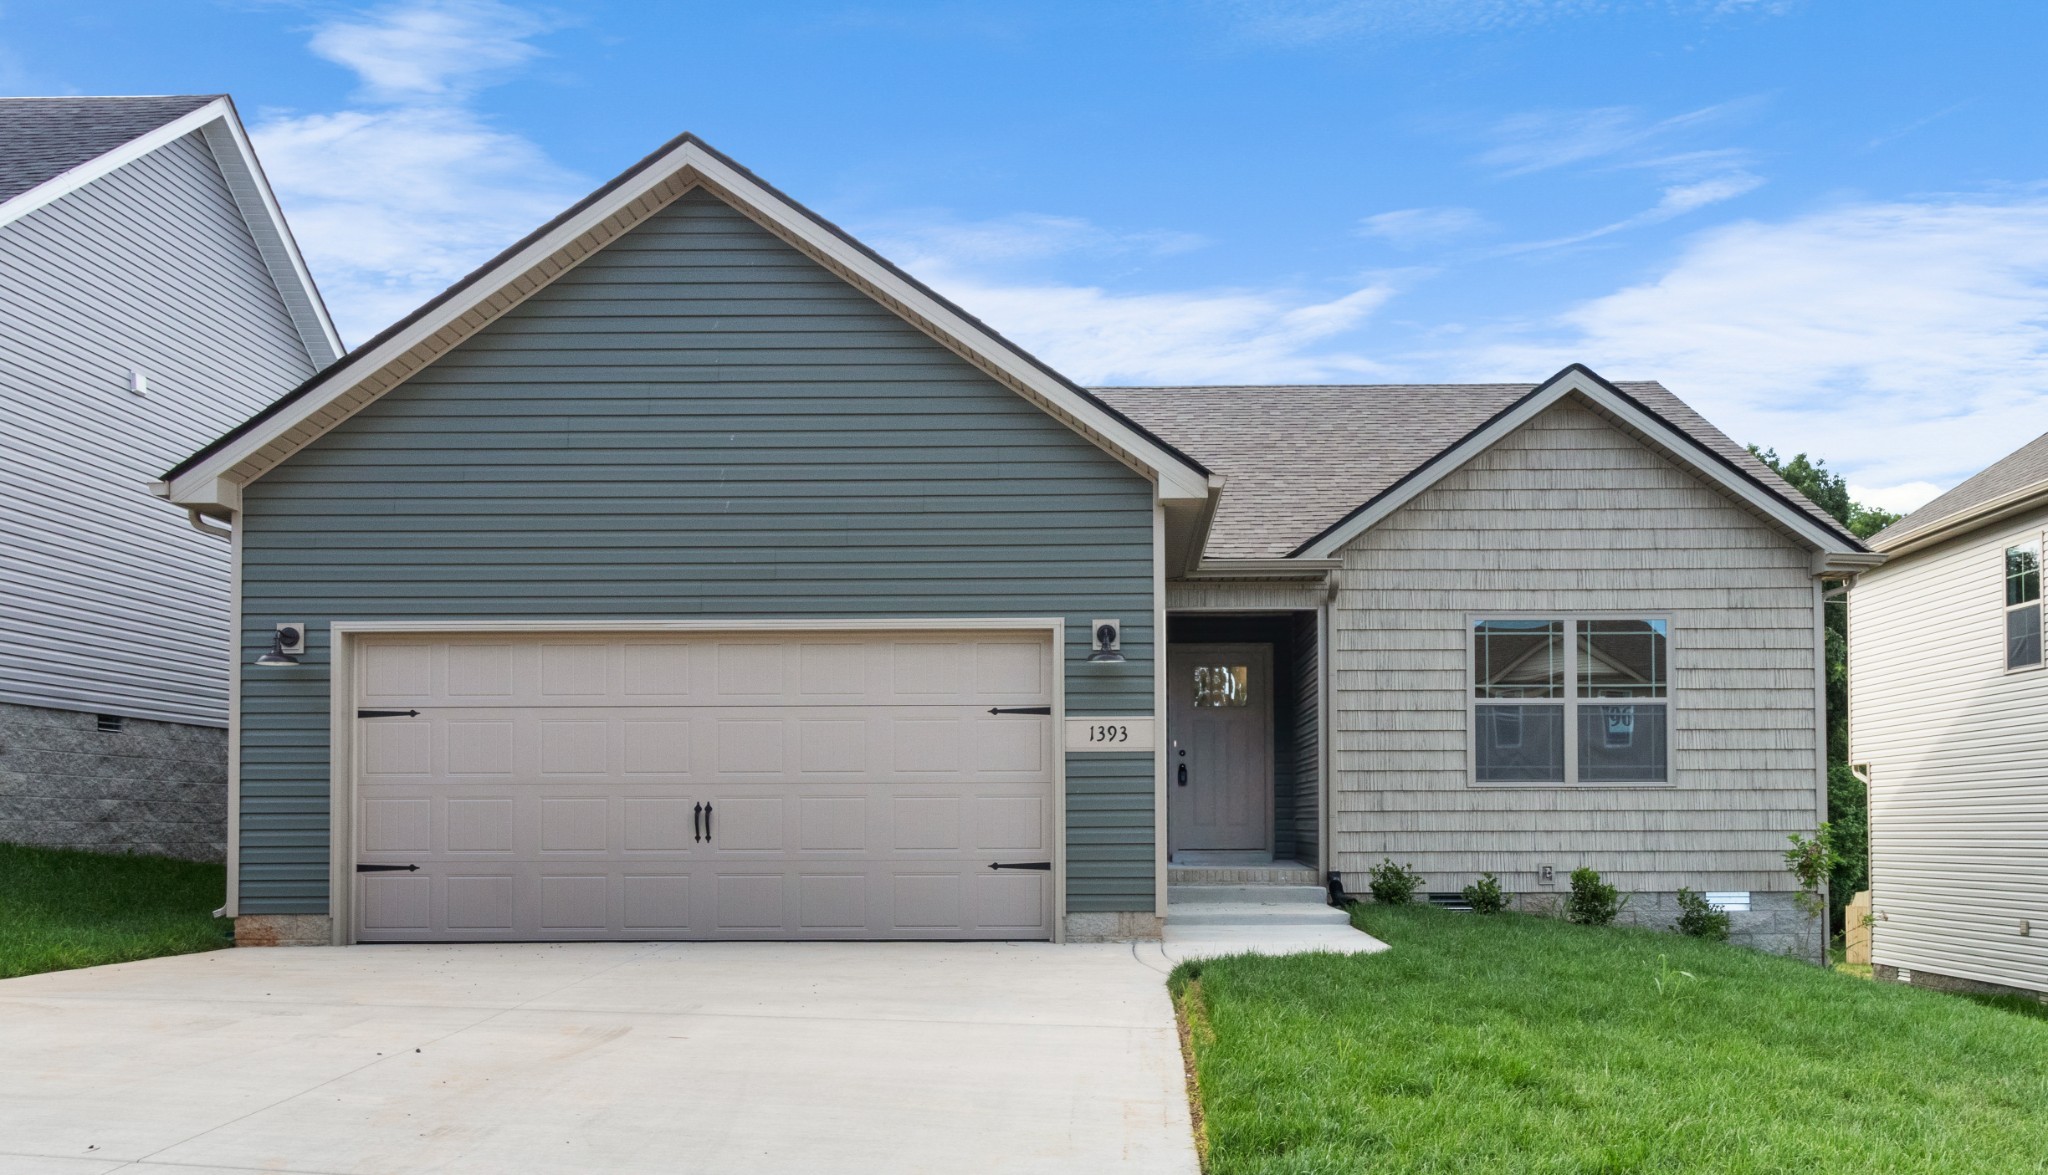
pixel 387 713
pixel 707 822
pixel 1020 709
pixel 1041 866
pixel 387 868
pixel 697 823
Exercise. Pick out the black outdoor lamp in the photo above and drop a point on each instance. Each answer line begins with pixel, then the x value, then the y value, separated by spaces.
pixel 286 646
pixel 1108 642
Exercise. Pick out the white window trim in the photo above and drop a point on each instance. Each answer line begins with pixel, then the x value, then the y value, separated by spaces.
pixel 1570 702
pixel 2005 610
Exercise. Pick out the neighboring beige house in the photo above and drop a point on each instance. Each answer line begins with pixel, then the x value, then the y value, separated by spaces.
pixel 1948 716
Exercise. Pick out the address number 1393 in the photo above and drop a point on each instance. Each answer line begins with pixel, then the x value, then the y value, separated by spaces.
pixel 1109 734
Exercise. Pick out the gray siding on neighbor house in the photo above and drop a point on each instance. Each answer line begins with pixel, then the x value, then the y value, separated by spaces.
pixel 1569 515
pixel 112 603
pixel 1955 745
pixel 696 422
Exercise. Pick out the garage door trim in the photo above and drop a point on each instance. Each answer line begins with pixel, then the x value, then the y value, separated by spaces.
pixel 345 636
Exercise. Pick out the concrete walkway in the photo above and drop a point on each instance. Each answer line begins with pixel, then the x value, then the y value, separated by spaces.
pixel 757 1057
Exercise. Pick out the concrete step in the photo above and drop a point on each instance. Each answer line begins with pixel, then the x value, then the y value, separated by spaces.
pixel 1253 914
pixel 1314 895
pixel 1241 875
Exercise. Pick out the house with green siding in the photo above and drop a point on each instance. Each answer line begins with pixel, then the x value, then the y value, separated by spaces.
pixel 690 571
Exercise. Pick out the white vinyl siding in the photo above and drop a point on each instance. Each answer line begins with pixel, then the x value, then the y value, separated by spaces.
pixel 1570 516
pixel 1954 743
pixel 112 603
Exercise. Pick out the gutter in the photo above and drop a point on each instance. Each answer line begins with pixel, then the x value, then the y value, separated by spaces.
pixel 1984 514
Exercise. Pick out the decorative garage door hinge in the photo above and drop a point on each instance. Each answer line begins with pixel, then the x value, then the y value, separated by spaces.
pixel 1020 709
pixel 387 713
pixel 387 868
pixel 1042 866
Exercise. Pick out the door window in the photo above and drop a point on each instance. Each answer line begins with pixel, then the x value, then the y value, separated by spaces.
pixel 1222 685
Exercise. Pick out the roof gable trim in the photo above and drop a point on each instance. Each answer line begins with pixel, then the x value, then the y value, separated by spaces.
pixel 522 270
pixel 1581 380
pixel 229 143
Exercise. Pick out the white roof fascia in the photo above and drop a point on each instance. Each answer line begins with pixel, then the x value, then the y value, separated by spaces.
pixel 274 237
pixel 1673 442
pixel 1174 480
pixel 219 111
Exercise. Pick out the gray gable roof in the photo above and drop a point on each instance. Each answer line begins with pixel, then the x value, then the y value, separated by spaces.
pixel 42 138
pixel 2022 474
pixel 1299 459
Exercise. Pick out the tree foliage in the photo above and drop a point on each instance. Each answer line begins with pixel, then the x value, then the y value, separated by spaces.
pixel 1846 793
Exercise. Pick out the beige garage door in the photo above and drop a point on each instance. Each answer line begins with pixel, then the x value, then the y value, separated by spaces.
pixel 698 787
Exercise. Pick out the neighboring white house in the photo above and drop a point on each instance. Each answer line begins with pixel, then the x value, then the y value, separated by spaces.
pixel 151 296
pixel 1948 716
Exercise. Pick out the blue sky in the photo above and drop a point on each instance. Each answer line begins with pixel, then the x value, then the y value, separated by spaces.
pixel 1824 224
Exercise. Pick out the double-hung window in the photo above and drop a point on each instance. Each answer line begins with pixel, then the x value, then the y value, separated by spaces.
pixel 2023 606
pixel 1571 701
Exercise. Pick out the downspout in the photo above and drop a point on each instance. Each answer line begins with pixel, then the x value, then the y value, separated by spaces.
pixel 229 905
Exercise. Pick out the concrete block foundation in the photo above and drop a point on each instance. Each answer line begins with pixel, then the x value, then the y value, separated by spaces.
pixel 149 787
pixel 1774 922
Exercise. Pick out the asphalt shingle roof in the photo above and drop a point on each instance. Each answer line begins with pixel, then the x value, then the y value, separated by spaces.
pixel 2024 469
pixel 42 138
pixel 1298 459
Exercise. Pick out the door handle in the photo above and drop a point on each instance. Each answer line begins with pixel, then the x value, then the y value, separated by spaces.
pixel 707 822
pixel 697 823
pixel 1183 774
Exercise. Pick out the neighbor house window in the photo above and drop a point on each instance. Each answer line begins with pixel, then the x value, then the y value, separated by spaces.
pixel 2023 606
pixel 1568 701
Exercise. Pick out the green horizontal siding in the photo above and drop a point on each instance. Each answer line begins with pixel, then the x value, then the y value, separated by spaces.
pixel 697 422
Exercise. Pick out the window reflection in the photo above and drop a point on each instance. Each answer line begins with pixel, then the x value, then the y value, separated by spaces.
pixel 1222 685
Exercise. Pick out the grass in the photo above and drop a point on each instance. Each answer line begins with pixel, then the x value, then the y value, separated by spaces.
pixel 61 909
pixel 1519 1044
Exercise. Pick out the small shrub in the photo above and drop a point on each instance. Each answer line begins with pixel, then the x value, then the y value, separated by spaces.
pixel 1393 885
pixel 1484 895
pixel 1811 861
pixel 1593 901
pixel 1698 919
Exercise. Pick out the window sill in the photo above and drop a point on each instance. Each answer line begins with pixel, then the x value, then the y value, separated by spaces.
pixel 1477 786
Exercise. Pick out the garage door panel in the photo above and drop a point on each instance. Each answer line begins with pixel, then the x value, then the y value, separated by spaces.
pixel 856 787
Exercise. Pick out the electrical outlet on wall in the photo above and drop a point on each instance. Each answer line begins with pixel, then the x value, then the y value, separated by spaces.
pixel 1546 875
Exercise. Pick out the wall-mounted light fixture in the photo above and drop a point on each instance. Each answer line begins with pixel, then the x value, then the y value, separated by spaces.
pixel 287 645
pixel 1109 641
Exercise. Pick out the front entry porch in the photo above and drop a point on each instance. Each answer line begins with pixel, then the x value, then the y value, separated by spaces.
pixel 1244 749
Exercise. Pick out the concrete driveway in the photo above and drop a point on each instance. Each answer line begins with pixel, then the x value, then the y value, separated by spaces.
pixel 755 1057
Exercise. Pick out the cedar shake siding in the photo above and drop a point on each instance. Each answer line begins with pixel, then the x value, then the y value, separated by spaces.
pixel 1570 515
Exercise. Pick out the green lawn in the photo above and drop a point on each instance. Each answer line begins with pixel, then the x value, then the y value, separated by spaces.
pixel 1520 1044
pixel 62 909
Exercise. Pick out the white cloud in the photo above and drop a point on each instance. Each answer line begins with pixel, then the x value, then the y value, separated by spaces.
pixel 1095 336
pixel 444 48
pixel 394 200
pixel 1677 200
pixel 996 269
pixel 1020 237
pixel 1409 228
pixel 1540 140
pixel 1899 499
pixel 1906 343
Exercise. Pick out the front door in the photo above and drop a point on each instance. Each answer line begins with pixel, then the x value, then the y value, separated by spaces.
pixel 1220 747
